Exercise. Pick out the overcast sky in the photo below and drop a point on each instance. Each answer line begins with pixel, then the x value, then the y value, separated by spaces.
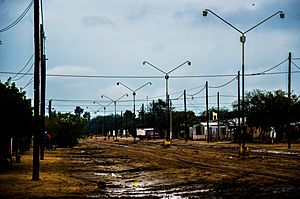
pixel 113 37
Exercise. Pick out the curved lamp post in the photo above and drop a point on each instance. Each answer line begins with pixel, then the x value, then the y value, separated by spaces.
pixel 115 104
pixel 243 40
pixel 134 94
pixel 167 87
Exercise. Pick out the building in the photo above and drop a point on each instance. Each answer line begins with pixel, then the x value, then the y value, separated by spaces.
pixel 199 131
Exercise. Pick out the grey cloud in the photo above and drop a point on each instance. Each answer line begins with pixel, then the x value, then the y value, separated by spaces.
pixel 97 21
pixel 138 11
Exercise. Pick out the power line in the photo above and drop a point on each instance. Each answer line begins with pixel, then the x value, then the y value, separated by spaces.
pixel 24 73
pixel 148 77
pixel 18 19
pixel 23 67
pixel 29 82
pixel 274 66
pixel 197 92
pixel 295 65
pixel 223 84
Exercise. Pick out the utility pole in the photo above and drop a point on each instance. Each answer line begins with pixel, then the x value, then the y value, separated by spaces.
pixel 239 110
pixel 126 126
pixel 207 114
pixel 171 121
pixel 121 126
pixel 168 116
pixel 143 116
pixel 218 115
pixel 185 123
pixel 36 161
pixel 153 114
pixel 289 100
pixel 49 109
pixel 43 91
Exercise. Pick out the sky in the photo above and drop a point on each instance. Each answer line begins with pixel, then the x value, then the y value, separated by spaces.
pixel 106 41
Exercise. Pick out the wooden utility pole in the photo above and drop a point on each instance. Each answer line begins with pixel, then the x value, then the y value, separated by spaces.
pixel 36 137
pixel 185 123
pixel 207 114
pixel 153 114
pixel 218 115
pixel 43 92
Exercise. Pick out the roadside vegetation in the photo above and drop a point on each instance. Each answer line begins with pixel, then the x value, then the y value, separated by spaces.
pixel 263 110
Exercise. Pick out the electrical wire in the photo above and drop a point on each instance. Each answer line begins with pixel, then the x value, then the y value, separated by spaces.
pixel 29 82
pixel 295 65
pixel 24 73
pixel 197 92
pixel 274 66
pixel 23 67
pixel 18 19
pixel 148 77
pixel 223 85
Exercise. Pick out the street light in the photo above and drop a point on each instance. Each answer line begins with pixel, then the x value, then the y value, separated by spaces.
pixel 167 78
pixel 243 40
pixel 115 104
pixel 134 94
pixel 103 119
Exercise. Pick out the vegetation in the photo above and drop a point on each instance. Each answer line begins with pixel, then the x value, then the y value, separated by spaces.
pixel 267 109
pixel 263 110
pixel 16 120
pixel 65 129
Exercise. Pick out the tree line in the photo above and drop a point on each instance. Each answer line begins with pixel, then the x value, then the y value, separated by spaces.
pixel 263 110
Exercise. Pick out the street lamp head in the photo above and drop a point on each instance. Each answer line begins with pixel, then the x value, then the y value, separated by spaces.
pixel 149 83
pixel 102 96
pixel 204 13
pixel 281 14
pixel 126 95
pixel 144 62
pixel 118 83
pixel 189 63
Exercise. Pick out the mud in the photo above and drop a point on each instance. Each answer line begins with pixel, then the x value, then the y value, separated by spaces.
pixel 99 168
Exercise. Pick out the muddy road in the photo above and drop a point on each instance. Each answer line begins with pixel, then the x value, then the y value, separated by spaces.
pixel 126 169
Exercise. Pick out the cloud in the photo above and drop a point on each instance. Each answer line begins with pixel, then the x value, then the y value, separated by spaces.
pixel 71 69
pixel 97 21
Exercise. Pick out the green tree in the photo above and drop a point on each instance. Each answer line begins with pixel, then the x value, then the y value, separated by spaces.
pixel 66 128
pixel 78 110
pixel 266 109
pixel 16 118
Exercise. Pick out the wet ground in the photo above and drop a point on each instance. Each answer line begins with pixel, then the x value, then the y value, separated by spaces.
pixel 100 168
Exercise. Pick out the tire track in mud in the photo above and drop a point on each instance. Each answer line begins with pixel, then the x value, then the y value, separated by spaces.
pixel 210 168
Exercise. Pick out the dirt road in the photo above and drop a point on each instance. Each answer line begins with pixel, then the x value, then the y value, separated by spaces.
pixel 108 169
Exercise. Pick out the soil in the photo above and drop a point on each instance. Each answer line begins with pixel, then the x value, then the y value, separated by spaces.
pixel 99 168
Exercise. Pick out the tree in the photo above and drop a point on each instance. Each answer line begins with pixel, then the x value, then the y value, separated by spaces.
pixel 78 110
pixel 266 109
pixel 16 118
pixel 179 119
pixel 66 128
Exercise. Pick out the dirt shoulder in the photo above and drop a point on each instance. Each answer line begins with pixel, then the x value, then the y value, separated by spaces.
pixel 100 168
